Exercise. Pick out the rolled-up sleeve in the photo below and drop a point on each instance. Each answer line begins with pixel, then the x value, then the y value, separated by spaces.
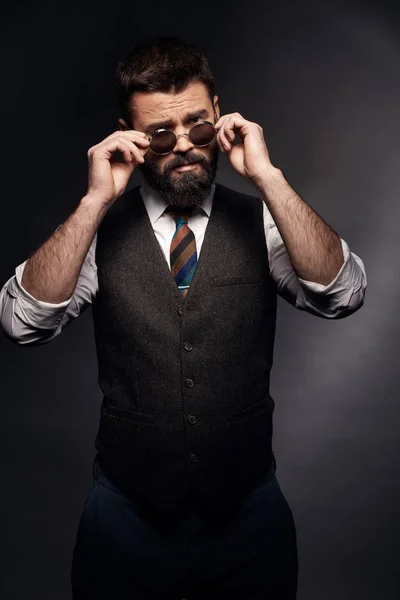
pixel 340 298
pixel 28 321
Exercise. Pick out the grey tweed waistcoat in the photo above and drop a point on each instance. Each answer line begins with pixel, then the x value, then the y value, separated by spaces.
pixel 186 407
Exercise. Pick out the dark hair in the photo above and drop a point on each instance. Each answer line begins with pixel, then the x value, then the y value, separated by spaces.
pixel 162 64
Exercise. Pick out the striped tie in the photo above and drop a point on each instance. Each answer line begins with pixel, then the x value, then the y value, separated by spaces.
pixel 183 253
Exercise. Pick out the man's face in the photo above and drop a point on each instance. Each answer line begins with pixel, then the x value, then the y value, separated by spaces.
pixel 178 112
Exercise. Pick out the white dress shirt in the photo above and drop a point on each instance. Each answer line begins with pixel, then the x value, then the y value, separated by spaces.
pixel 27 320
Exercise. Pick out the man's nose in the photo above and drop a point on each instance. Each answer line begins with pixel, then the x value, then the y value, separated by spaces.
pixel 183 144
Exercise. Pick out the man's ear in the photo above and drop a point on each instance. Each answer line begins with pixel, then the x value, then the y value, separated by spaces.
pixel 123 125
pixel 216 107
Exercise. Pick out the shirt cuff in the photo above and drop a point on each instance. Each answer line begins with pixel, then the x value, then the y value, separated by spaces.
pixel 18 278
pixel 47 314
pixel 343 277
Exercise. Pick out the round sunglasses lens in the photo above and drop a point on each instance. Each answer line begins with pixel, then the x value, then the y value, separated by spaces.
pixel 202 134
pixel 163 142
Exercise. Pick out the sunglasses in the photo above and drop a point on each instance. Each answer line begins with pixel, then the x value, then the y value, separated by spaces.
pixel 163 141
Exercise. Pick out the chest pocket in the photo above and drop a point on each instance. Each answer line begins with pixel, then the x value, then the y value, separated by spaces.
pixel 237 280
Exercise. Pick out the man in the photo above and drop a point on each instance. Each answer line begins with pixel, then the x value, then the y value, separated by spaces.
pixel 183 276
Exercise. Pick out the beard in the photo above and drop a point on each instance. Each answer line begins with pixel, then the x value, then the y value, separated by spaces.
pixel 189 188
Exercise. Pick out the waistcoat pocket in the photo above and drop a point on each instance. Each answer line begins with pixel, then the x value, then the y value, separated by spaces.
pixel 247 412
pixel 130 415
pixel 237 280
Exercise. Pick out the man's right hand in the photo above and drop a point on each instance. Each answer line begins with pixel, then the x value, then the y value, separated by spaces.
pixel 108 178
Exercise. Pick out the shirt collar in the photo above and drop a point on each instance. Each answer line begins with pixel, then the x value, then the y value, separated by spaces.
pixel 156 205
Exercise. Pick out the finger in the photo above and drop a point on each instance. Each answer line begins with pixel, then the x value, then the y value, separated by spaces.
pixel 221 121
pixel 129 151
pixel 107 149
pixel 137 137
pixel 235 122
pixel 227 126
pixel 137 153
pixel 223 141
pixel 118 131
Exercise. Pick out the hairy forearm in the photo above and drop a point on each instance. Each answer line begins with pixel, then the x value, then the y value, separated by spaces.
pixel 51 273
pixel 313 247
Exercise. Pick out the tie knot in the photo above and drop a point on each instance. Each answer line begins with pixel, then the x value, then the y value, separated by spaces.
pixel 181 216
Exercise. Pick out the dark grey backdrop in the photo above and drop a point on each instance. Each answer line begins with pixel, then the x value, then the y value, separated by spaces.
pixel 323 81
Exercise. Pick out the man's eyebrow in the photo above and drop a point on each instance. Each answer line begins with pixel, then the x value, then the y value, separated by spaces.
pixel 203 113
pixel 158 125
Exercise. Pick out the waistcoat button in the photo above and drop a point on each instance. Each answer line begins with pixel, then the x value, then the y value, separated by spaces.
pixel 192 419
pixel 193 457
pixel 188 346
pixel 180 309
pixel 189 382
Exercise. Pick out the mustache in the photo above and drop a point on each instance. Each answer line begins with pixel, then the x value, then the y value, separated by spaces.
pixel 183 161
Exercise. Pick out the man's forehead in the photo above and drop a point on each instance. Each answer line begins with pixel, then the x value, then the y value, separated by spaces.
pixel 162 105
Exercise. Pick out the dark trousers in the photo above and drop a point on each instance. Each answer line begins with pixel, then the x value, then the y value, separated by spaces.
pixel 248 554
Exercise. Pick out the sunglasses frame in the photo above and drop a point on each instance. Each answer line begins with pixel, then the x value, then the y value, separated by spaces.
pixel 180 135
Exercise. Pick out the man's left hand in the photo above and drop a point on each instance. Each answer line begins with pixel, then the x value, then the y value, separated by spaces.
pixel 249 157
